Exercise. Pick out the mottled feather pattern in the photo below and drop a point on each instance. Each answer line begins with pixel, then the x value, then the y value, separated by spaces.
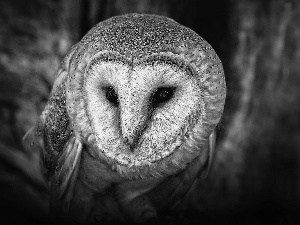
pixel 132 156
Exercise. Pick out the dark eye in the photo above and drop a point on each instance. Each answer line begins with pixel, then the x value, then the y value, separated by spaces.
pixel 111 95
pixel 163 94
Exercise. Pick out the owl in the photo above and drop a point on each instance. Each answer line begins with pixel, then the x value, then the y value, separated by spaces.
pixel 130 122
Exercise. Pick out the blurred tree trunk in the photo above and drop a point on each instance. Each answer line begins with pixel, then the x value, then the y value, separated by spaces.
pixel 34 36
pixel 257 164
pixel 270 157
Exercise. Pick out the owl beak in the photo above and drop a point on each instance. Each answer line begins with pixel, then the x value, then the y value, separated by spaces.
pixel 132 132
pixel 131 137
pixel 130 142
pixel 133 119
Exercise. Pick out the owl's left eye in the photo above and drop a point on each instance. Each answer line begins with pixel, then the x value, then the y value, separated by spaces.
pixel 163 94
pixel 111 95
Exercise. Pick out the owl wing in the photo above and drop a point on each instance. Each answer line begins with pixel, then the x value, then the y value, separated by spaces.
pixel 171 190
pixel 64 178
pixel 53 139
pixel 58 169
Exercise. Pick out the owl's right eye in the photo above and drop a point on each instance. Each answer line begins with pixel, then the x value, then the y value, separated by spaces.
pixel 162 95
pixel 111 95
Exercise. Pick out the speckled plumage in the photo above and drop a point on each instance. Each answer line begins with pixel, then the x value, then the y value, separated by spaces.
pixel 89 144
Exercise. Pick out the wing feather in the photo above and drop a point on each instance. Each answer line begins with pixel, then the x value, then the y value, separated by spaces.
pixel 66 172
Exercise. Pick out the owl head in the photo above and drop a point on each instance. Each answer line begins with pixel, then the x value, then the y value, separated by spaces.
pixel 144 93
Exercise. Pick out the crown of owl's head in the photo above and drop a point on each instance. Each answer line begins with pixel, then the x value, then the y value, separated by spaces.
pixel 144 93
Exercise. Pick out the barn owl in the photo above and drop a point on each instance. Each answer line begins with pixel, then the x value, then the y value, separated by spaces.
pixel 130 121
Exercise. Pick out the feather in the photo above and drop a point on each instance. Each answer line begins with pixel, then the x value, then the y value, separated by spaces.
pixel 171 190
pixel 66 171
pixel 211 153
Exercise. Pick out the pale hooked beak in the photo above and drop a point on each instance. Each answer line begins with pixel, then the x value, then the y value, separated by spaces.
pixel 133 123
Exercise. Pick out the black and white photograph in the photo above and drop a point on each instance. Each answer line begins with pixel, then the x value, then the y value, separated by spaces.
pixel 150 112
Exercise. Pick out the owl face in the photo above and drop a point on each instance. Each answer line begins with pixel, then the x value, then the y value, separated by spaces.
pixel 144 93
pixel 140 112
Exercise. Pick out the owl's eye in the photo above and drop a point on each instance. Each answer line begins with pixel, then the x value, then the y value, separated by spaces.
pixel 111 95
pixel 162 95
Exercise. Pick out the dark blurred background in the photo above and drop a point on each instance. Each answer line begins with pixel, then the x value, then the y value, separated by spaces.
pixel 255 178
